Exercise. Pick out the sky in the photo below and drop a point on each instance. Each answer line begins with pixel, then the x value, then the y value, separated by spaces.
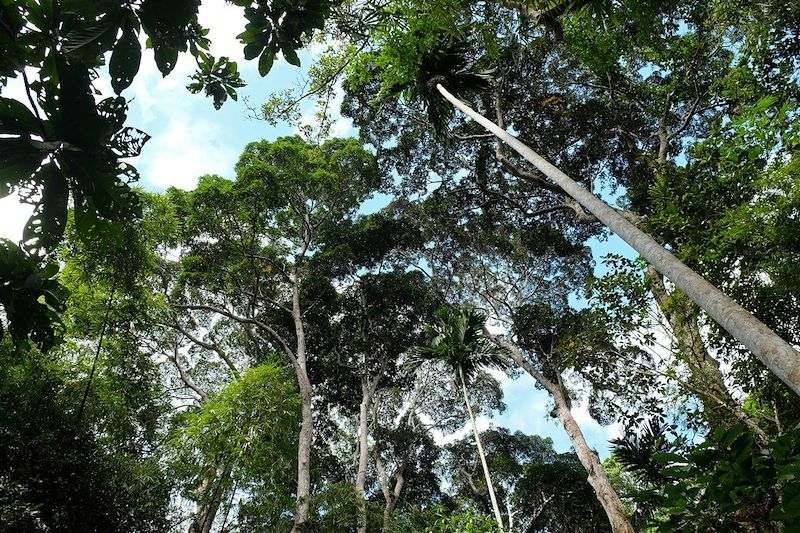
pixel 191 139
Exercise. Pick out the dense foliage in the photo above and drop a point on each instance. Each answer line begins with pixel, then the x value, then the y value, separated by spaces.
pixel 280 351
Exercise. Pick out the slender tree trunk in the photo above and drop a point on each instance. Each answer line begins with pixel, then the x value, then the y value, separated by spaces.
pixel 391 502
pixel 209 497
pixel 777 354
pixel 597 476
pixel 306 436
pixel 489 485
pixel 363 451
pixel 391 495
pixel 304 462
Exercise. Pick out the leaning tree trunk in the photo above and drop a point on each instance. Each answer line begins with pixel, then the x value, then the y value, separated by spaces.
pixel 492 496
pixel 597 476
pixel 777 354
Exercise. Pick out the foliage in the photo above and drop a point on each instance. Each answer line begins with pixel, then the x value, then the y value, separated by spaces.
pixel 67 148
pixel 217 78
pixel 246 429
pixel 457 339
pixel 684 112
pixel 443 64
pixel 555 496
pixel 283 26
pixel 543 489
pixel 464 522
pixel 727 483
pixel 58 476
pixel 30 297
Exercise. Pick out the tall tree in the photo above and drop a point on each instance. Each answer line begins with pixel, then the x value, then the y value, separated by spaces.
pixel 382 318
pixel 456 338
pixel 777 354
pixel 267 226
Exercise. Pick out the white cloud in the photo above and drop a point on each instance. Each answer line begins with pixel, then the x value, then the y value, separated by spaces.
pixel 186 149
pixel 225 22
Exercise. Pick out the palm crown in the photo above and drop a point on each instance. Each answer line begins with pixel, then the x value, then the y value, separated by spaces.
pixel 447 64
pixel 457 339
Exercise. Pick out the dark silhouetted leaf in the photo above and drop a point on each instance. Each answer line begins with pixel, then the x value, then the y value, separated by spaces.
pixel 125 59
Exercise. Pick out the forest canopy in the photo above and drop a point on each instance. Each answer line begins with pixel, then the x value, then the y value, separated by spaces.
pixel 324 339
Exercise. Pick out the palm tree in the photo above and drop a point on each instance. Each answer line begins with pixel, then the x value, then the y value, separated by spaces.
pixel 457 340
pixel 777 354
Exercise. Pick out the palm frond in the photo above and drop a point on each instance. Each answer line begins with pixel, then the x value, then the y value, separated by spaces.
pixel 636 451
pixel 446 64
pixel 457 339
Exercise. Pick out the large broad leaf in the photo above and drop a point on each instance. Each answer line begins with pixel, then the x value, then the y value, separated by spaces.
pixel 114 110
pixel 15 117
pixel 91 38
pixel 128 142
pixel 46 227
pixel 166 58
pixel 18 161
pixel 291 56
pixel 168 26
pixel 265 63
pixel 125 59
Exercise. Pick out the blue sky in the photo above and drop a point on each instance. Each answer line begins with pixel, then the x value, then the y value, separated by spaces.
pixel 190 139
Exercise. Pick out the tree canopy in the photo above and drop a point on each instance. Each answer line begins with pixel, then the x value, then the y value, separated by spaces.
pixel 325 339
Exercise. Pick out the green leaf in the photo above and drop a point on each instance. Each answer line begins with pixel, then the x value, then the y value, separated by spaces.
pixel 166 58
pixel 251 50
pixel 763 104
pixel 46 226
pixel 15 117
pixel 668 457
pixel 265 63
pixel 291 56
pixel 18 161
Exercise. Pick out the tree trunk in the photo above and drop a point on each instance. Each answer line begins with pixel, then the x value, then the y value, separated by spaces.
pixel 597 477
pixel 209 498
pixel 391 502
pixel 489 485
pixel 304 462
pixel 306 436
pixel 778 355
pixel 391 495
pixel 363 451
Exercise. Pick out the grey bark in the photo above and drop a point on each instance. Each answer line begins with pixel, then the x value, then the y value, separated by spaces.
pixel 596 474
pixel 481 454
pixel 777 354
pixel 363 455
pixel 391 495
pixel 307 424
